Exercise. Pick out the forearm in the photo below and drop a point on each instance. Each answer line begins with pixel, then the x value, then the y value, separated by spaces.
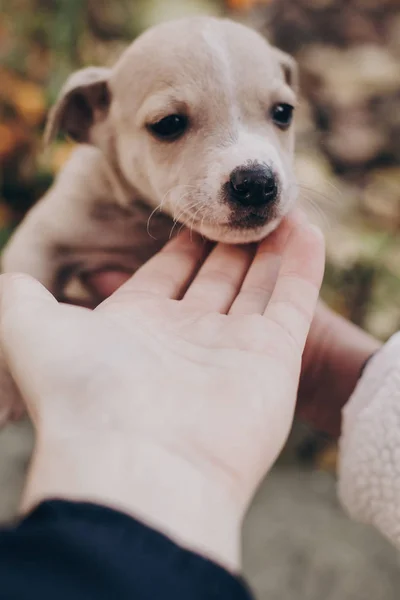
pixel 331 368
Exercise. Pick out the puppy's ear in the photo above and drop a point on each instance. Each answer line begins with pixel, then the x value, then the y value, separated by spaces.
pixel 83 103
pixel 289 68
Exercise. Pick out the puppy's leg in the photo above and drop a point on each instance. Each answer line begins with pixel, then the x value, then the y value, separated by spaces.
pixel 60 220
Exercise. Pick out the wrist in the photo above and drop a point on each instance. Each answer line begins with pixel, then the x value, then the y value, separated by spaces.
pixel 145 480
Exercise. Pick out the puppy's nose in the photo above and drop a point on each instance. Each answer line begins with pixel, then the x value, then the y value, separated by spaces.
pixel 253 186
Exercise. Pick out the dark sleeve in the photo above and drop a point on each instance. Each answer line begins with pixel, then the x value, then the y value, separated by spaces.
pixel 78 551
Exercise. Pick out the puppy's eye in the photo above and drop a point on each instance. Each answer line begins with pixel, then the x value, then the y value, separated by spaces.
pixel 169 128
pixel 282 115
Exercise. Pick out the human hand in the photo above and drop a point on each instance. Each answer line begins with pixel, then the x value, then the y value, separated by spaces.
pixel 173 398
pixel 335 353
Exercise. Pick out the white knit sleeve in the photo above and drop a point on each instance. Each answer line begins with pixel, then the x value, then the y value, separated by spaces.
pixel 369 457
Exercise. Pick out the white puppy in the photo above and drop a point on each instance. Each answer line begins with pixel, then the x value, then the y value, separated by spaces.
pixel 193 125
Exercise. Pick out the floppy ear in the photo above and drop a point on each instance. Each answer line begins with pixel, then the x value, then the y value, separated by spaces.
pixel 83 103
pixel 289 68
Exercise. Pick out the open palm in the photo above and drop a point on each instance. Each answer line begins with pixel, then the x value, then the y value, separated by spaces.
pixel 199 352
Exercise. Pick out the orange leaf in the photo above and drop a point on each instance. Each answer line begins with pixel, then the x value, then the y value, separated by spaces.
pixel 27 97
pixel 12 135
pixel 29 101
pixel 327 459
pixel 5 215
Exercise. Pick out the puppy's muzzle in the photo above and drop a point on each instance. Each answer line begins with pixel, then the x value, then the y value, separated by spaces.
pixel 253 187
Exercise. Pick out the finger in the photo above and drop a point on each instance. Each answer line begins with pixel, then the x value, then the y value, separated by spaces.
pixel 168 273
pixel 17 289
pixel 294 298
pixel 260 280
pixel 219 280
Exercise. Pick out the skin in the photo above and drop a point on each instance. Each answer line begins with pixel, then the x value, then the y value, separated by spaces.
pixel 172 399
pixel 335 353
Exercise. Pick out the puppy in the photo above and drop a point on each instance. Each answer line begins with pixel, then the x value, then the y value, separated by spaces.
pixel 192 126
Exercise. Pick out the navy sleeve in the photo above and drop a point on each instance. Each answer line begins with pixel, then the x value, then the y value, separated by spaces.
pixel 81 551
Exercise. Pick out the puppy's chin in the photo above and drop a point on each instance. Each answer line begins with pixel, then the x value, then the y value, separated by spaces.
pixel 228 234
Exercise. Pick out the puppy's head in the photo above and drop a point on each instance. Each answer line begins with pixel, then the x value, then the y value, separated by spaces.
pixel 197 118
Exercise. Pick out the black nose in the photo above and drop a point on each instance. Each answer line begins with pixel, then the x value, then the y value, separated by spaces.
pixel 253 186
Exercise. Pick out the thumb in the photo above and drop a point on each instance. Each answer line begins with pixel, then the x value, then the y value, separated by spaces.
pixel 24 304
pixel 15 287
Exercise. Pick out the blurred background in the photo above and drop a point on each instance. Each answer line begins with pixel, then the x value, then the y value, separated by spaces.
pixel 298 542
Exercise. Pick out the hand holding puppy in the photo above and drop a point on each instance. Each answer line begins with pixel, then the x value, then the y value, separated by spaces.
pixel 173 398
